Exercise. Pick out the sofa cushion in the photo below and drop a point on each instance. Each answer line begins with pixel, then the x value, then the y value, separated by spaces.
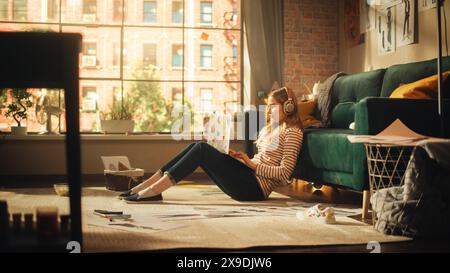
pixel 408 73
pixel 327 149
pixel 353 88
pixel 343 114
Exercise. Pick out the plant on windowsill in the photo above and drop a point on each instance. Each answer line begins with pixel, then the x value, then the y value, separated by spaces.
pixel 17 108
pixel 119 119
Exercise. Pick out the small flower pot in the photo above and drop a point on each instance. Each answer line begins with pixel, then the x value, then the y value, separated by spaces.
pixel 18 131
pixel 117 126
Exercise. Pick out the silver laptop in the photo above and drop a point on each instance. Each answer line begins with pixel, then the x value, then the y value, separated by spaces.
pixel 218 131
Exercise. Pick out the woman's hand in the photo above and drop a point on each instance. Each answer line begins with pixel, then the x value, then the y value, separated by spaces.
pixel 243 156
pixel 231 152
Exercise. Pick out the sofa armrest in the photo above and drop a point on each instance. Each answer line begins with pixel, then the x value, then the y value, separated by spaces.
pixel 373 114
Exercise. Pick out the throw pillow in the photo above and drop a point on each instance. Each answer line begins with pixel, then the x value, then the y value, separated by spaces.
pixel 422 89
pixel 306 111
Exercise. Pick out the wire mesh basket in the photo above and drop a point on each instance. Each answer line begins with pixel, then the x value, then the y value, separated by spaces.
pixel 387 165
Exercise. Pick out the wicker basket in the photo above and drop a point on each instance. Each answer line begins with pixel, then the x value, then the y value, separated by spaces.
pixel 123 180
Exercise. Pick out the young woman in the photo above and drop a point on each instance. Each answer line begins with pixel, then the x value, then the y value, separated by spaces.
pixel 278 144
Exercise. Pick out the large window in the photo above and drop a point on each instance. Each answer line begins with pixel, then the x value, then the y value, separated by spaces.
pixel 162 54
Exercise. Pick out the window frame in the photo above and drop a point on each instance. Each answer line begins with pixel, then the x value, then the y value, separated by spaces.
pixel 203 57
pixel 203 13
pixel 154 51
pixel 175 13
pixel 154 15
pixel 88 89
pixel 175 54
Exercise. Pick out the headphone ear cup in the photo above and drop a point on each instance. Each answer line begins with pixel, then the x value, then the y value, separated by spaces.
pixel 288 107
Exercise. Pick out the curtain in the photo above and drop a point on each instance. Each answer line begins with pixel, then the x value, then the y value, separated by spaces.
pixel 263 20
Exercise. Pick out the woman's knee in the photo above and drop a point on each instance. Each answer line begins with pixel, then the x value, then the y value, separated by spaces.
pixel 191 145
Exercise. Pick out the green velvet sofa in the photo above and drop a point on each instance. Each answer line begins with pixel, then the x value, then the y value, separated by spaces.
pixel 327 157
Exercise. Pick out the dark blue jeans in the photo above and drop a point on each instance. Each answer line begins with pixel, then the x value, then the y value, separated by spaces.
pixel 233 177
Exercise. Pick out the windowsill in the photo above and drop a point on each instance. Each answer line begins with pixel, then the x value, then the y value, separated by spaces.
pixel 105 137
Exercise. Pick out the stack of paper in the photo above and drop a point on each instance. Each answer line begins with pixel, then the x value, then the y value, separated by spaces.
pixel 395 134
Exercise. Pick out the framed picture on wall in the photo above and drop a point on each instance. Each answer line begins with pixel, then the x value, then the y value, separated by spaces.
pixel 386 30
pixel 405 26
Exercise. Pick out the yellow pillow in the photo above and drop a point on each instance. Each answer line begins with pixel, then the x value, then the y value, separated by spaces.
pixel 306 110
pixel 421 89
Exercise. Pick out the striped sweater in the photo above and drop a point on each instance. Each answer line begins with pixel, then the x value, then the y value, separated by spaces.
pixel 277 157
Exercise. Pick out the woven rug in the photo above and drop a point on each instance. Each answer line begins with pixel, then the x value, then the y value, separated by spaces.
pixel 200 216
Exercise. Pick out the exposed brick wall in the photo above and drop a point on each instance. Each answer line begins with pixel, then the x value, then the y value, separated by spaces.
pixel 311 42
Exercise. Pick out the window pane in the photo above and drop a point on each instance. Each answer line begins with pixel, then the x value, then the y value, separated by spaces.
pixel 206 97
pixel 210 56
pixel 152 104
pixel 151 48
pixel 43 114
pixel 99 44
pixel 91 12
pixel 97 99
pixel 213 14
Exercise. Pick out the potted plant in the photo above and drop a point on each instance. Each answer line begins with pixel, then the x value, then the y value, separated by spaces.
pixel 119 119
pixel 17 109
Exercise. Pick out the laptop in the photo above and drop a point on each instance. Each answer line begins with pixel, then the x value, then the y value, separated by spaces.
pixel 116 163
pixel 218 131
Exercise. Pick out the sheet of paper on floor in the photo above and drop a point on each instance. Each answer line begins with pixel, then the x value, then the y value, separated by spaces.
pixel 141 222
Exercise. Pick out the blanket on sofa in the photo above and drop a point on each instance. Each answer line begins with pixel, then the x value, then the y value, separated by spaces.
pixel 421 206
pixel 325 91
